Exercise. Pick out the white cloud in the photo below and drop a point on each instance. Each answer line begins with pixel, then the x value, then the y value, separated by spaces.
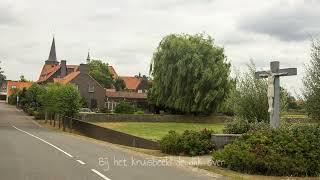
pixel 126 33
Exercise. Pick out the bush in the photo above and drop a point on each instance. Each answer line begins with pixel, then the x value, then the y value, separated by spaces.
pixel 171 143
pixel 189 143
pixel 12 99
pixel 240 126
pixel 287 151
pixel 124 108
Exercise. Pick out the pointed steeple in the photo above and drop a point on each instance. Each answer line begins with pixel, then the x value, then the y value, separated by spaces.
pixel 53 55
pixel 88 58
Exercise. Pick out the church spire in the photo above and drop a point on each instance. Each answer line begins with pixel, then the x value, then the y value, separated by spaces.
pixel 52 59
pixel 52 55
pixel 88 58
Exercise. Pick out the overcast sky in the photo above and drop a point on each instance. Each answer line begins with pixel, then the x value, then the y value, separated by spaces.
pixel 125 33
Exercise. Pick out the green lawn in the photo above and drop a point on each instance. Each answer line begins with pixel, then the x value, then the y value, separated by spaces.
pixel 156 130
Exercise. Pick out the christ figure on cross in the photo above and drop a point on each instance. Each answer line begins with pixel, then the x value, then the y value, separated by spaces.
pixel 273 76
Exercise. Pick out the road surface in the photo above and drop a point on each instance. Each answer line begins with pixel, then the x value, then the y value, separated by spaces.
pixel 30 152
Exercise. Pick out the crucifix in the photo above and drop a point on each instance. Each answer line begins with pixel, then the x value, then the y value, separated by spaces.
pixel 273 76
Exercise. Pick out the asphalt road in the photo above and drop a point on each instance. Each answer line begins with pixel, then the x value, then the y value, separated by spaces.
pixel 28 151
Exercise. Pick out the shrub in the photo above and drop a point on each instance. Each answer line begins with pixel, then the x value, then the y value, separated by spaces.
pixel 240 126
pixel 12 99
pixel 287 151
pixel 124 108
pixel 171 143
pixel 188 143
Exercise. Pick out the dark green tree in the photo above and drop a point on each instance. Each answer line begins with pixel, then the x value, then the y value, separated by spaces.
pixel 33 96
pixel 190 74
pixel 100 72
pixel 23 79
pixel 2 76
pixel 311 82
pixel 119 84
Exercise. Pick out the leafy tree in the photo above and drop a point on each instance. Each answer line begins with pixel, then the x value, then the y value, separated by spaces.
pixel 68 100
pixel 311 82
pixel 119 84
pixel 49 98
pixel 23 79
pixel 33 95
pixel 100 72
pixel 190 74
pixel 2 76
pixel 249 97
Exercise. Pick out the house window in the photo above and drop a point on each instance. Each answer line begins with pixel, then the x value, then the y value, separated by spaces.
pixel 139 91
pixel 91 88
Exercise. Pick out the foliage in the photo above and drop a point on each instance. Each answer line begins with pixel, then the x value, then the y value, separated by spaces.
pixel 49 98
pixel 287 151
pixel 119 84
pixel 2 76
pixel 189 143
pixel 311 82
pixel 124 108
pixel 190 74
pixel 171 143
pixel 12 99
pixel 249 99
pixel 100 72
pixel 69 100
pixel 240 126
pixel 33 96
pixel 23 79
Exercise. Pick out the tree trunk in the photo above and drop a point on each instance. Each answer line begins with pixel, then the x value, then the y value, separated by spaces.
pixel 59 121
pixel 70 124
pixel 54 119
pixel 63 124
pixel 46 117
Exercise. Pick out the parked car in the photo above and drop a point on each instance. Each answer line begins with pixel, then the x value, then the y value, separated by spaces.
pixel 85 110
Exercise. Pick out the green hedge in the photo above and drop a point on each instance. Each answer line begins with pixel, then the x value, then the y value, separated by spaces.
pixel 188 143
pixel 287 151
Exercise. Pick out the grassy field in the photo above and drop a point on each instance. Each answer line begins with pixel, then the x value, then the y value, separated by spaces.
pixel 156 130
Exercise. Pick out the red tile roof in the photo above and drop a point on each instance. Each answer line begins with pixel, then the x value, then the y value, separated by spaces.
pixel 47 71
pixel 67 78
pixel 132 83
pixel 12 85
pixel 127 95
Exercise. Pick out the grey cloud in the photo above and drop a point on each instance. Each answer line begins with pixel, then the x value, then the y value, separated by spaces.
pixel 7 16
pixel 286 22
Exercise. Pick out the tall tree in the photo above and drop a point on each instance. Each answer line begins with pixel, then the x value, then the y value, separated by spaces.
pixel 2 76
pixel 100 72
pixel 311 82
pixel 119 84
pixel 190 74
pixel 23 79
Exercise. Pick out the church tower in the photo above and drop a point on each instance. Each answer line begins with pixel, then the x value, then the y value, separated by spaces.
pixel 88 58
pixel 52 59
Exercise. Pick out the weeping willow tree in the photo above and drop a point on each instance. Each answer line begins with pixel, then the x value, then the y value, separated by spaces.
pixel 190 74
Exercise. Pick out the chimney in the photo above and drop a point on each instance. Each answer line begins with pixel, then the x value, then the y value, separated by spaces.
pixel 63 65
pixel 84 68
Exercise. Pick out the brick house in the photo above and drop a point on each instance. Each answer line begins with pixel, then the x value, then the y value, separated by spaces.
pixel 9 87
pixel 89 88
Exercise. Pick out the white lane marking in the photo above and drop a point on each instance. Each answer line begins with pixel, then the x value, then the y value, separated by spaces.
pixel 100 174
pixel 43 141
pixel 81 162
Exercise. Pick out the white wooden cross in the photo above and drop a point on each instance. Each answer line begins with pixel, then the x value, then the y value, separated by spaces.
pixel 273 76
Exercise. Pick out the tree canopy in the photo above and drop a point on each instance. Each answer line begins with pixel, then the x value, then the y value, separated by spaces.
pixel 119 84
pixel 311 82
pixel 190 74
pixel 100 72
pixel 2 76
